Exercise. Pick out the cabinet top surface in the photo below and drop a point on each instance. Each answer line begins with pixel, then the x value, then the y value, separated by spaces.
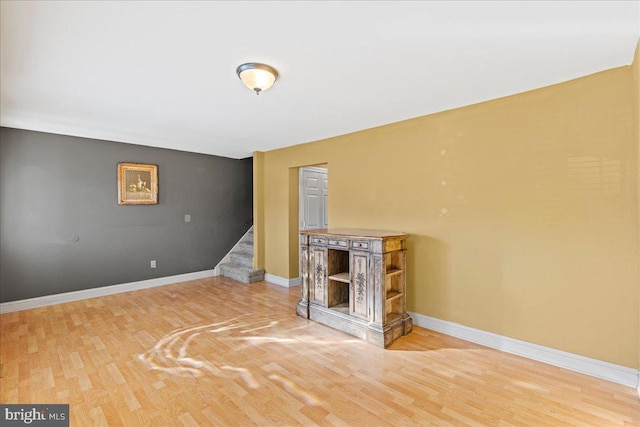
pixel 354 232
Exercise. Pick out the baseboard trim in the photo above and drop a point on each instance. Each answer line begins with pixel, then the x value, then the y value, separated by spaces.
pixel 574 362
pixel 281 281
pixel 26 304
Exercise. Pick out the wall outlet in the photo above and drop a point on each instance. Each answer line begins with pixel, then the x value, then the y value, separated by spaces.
pixel 187 218
pixel 153 263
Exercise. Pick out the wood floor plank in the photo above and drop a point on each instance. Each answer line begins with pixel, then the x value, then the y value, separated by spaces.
pixel 221 353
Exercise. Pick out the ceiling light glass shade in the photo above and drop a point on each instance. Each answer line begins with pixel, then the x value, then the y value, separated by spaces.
pixel 257 77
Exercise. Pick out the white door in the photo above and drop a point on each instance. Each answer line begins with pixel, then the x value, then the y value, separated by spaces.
pixel 313 198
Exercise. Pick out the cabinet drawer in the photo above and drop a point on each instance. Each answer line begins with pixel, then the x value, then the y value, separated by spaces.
pixel 356 244
pixel 318 240
pixel 339 243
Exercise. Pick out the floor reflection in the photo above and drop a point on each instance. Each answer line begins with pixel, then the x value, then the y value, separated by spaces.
pixel 175 354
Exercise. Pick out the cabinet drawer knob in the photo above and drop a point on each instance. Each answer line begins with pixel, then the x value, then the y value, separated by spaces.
pixel 360 245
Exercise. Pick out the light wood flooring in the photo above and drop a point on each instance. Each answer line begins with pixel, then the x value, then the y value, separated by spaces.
pixel 217 352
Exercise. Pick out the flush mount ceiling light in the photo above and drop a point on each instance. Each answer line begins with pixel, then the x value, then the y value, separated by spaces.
pixel 255 76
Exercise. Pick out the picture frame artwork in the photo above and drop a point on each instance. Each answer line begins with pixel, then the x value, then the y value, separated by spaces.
pixel 137 184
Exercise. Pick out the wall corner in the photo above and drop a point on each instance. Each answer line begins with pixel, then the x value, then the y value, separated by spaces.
pixel 635 97
pixel 258 210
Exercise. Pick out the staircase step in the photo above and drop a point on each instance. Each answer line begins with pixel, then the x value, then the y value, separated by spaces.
pixel 241 273
pixel 245 247
pixel 242 258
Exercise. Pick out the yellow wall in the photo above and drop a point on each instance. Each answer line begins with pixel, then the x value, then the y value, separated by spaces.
pixel 258 210
pixel 635 76
pixel 522 211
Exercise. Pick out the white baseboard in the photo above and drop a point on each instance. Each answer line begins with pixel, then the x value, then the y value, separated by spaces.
pixel 574 362
pixel 281 281
pixel 25 304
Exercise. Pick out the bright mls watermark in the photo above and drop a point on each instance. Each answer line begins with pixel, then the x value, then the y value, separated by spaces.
pixel 54 415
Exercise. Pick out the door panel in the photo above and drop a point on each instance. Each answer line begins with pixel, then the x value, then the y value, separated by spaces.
pixel 325 200
pixel 359 290
pixel 313 198
pixel 318 275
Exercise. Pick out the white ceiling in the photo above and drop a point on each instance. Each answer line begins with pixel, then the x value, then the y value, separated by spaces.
pixel 163 73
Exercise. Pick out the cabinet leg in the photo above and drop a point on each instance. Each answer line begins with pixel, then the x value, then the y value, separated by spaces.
pixel 408 324
pixel 302 309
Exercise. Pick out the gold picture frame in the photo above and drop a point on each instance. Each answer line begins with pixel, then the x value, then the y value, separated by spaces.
pixel 137 184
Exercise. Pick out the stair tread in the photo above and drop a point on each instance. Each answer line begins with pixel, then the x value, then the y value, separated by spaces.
pixel 231 265
pixel 240 267
pixel 242 258
pixel 244 254
pixel 241 273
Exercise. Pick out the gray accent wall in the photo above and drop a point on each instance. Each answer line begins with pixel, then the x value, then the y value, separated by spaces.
pixel 62 230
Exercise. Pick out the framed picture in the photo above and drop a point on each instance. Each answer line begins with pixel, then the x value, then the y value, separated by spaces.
pixel 137 184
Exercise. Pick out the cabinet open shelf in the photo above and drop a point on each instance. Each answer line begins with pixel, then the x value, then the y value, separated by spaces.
pixel 338 283
pixel 393 306
pixel 340 277
pixel 393 271
pixel 341 308
pixel 392 317
pixel 393 294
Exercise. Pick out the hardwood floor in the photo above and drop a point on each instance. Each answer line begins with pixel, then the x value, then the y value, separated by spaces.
pixel 218 352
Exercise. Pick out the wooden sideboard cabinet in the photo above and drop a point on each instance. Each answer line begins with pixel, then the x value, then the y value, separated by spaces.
pixel 354 281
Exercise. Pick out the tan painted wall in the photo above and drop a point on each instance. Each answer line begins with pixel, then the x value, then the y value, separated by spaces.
pixel 258 210
pixel 635 77
pixel 522 211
